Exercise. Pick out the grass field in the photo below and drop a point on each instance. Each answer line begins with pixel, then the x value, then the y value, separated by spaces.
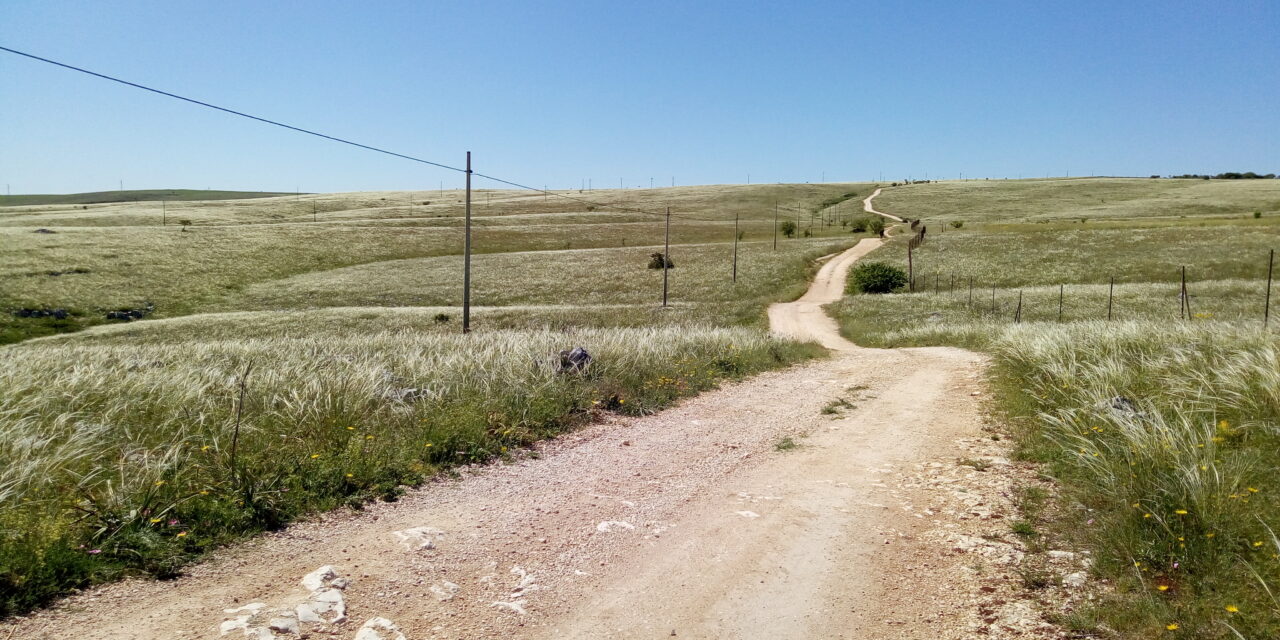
pixel 235 251
pixel 102 197
pixel 1160 431
pixel 288 366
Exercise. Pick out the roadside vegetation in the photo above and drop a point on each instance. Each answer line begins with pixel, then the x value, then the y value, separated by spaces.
pixel 284 367
pixel 1160 425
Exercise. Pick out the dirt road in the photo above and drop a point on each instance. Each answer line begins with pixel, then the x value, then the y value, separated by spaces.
pixel 823 501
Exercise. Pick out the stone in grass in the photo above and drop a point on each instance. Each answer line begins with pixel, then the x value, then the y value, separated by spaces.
pixel 575 360
pixel 656 260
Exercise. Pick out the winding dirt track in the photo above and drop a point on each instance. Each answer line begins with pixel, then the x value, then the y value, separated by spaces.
pixel 691 523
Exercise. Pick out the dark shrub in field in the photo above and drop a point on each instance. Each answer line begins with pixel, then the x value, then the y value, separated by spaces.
pixel 876 277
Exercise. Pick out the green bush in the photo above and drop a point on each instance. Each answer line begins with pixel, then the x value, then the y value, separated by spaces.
pixel 956 224
pixel 859 225
pixel 788 229
pixel 876 277
pixel 875 225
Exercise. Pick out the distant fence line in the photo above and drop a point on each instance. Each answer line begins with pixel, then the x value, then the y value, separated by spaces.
pixel 920 284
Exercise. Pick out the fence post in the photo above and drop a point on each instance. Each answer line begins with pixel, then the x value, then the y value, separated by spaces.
pixel 1060 289
pixel 1182 296
pixel 1110 295
pixel 936 277
pixel 1017 315
pixel 911 270
pixel 775 225
pixel 1266 312
pixel 1186 299
pixel 971 293
pixel 993 299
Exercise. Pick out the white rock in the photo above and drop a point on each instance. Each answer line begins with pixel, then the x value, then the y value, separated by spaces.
pixel 516 607
pixel 445 590
pixel 748 514
pixel 307 614
pixel 231 625
pixel 379 629
pixel 319 578
pixel 1061 555
pixel 329 601
pixel 284 624
pixel 610 525
pixel 418 538
pixel 1075 580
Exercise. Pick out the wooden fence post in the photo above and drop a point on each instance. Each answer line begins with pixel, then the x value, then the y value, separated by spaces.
pixel 1266 312
pixel 1110 295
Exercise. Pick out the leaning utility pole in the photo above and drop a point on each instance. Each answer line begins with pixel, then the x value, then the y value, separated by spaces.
pixel 466 257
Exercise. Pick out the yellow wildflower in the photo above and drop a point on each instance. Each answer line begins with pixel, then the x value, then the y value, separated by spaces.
pixel 314 456
pixel 1172 626
pixel 182 534
pixel 1252 490
pixel 1231 608
pixel 155 520
pixel 1181 512
pixel 1163 587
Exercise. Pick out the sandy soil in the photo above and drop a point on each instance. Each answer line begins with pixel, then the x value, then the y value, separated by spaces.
pixel 761 510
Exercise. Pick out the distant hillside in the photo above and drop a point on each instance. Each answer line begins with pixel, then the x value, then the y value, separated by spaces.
pixel 101 197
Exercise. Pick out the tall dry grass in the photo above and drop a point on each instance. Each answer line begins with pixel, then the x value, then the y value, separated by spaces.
pixel 1166 440
pixel 133 458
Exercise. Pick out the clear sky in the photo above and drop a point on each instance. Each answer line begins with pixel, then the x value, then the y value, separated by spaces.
pixel 557 92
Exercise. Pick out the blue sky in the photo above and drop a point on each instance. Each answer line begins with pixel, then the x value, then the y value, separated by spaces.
pixel 706 92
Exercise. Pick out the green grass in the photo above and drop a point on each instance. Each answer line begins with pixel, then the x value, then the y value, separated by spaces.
pixel 126 458
pixel 1072 199
pixel 103 197
pixel 1178 491
pixel 122 258
pixel 1159 495
pixel 125 448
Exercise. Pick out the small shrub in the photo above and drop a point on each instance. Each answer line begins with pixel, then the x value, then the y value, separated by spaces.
pixel 876 225
pixel 1257 214
pixel 876 277
pixel 788 229
pixel 859 225
pixel 656 261
pixel 808 233
pixel 441 318
pixel 786 444
pixel 956 224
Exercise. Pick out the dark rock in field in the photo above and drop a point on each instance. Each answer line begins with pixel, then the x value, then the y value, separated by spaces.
pixel 1123 407
pixel 656 260
pixel 44 231
pixel 575 360
pixel 129 315
pixel 67 272
pixel 59 314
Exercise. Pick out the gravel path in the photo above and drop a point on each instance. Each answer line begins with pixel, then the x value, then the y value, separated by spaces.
pixel 823 501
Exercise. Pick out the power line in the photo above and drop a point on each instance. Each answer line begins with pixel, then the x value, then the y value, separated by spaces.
pixel 322 135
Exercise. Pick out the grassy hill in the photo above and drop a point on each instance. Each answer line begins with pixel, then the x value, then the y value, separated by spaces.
pixel 140 195
pixel 1160 424
pixel 131 447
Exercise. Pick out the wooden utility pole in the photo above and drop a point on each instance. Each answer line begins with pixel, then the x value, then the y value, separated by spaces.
pixel 313 211
pixel 775 225
pixel 164 213
pixel 466 256
pixel 666 257
pixel 735 247
pixel 1060 291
